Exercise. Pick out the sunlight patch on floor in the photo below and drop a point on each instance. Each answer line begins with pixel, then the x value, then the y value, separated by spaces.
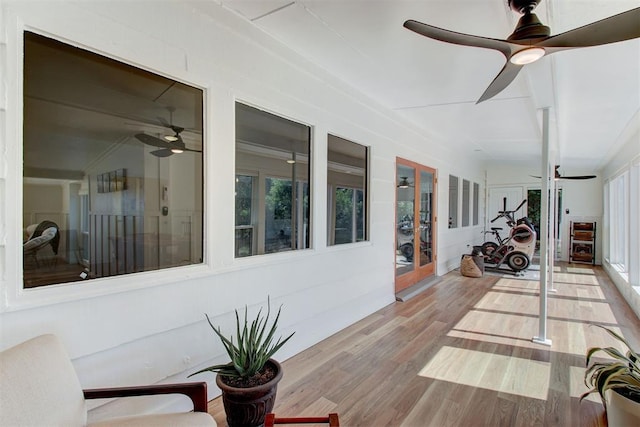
pixel 513 375
pixel 583 279
pixel 581 270
pixel 577 386
pixel 498 328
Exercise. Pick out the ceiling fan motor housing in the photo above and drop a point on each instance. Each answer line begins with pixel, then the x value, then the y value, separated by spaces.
pixel 523 6
pixel 530 27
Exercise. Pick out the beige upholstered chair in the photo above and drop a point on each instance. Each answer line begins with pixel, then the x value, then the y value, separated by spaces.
pixel 39 387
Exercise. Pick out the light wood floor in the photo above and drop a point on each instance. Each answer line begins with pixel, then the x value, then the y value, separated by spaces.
pixel 460 354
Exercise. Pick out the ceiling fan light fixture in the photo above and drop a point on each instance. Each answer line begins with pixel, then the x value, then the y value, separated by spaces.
pixel 171 138
pixel 527 56
pixel 177 150
pixel 291 161
pixel 404 183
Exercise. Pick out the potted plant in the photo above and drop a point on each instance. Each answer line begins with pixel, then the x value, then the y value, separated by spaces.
pixel 617 382
pixel 249 381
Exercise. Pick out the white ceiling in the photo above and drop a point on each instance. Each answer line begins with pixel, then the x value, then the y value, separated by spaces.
pixel 593 93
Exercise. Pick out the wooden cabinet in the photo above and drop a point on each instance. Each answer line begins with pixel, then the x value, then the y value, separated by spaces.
pixel 582 247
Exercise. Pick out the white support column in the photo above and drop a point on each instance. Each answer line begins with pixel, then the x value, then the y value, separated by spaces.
pixel 556 230
pixel 545 262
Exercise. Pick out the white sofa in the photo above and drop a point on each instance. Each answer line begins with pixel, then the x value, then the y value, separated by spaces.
pixel 39 387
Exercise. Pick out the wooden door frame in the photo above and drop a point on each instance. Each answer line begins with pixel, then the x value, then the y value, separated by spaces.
pixel 418 273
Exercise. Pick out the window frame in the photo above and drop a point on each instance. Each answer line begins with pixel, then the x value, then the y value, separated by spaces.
pixel 14 296
pixel 331 197
pixel 262 175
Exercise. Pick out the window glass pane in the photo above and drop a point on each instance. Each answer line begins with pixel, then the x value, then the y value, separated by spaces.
pixel 466 196
pixel 271 154
pixel 453 201
pixel 347 180
pixel 476 201
pixel 244 215
pixel 360 216
pixel 112 167
pixel 344 213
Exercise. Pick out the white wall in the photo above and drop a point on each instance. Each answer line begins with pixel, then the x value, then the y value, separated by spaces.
pixel 150 326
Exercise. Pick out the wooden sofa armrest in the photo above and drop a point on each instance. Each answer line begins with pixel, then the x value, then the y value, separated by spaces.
pixel 197 392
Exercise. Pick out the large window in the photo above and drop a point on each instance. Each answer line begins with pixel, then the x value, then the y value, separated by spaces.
pixel 619 222
pixel 112 167
pixel 347 191
pixel 272 183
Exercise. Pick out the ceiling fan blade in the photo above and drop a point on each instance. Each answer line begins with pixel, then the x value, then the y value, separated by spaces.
pixel 165 152
pixel 195 151
pixel 616 28
pixel 152 140
pixel 578 177
pixel 502 80
pixel 448 36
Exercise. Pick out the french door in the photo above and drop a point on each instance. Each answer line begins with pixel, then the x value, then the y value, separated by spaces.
pixel 415 251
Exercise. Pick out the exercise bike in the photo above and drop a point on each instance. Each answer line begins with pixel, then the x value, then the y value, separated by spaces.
pixel 517 249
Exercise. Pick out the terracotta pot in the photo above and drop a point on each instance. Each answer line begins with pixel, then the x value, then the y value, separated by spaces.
pixel 622 412
pixel 247 407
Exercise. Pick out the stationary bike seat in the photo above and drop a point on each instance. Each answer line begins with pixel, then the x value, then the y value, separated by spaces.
pixel 496 228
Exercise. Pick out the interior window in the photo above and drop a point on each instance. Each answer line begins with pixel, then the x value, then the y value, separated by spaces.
pixel 347 187
pixel 453 201
pixel 476 201
pixel 112 167
pixel 466 198
pixel 272 183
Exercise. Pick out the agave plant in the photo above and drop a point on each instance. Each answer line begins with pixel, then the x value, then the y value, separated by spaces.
pixel 621 374
pixel 253 346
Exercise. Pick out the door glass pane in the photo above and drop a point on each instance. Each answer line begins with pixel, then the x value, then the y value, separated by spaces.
pixel 426 214
pixel 405 200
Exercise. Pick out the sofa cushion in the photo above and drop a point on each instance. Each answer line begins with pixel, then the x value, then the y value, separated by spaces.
pixel 38 383
pixel 186 419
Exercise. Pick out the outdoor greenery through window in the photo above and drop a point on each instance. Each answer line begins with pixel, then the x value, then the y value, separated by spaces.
pixel 347 191
pixel 112 167
pixel 272 183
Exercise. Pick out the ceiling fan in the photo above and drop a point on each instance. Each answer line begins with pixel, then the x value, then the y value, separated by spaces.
pixel 404 182
pixel 531 40
pixel 169 144
pixel 558 176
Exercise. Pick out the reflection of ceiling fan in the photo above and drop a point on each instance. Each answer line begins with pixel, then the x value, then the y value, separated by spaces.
pixel 531 40
pixel 404 182
pixel 168 144
pixel 558 176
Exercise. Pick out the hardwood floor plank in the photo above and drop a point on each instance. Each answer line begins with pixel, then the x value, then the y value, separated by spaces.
pixel 461 354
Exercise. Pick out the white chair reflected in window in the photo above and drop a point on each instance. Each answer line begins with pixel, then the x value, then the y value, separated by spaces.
pixel 44 235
